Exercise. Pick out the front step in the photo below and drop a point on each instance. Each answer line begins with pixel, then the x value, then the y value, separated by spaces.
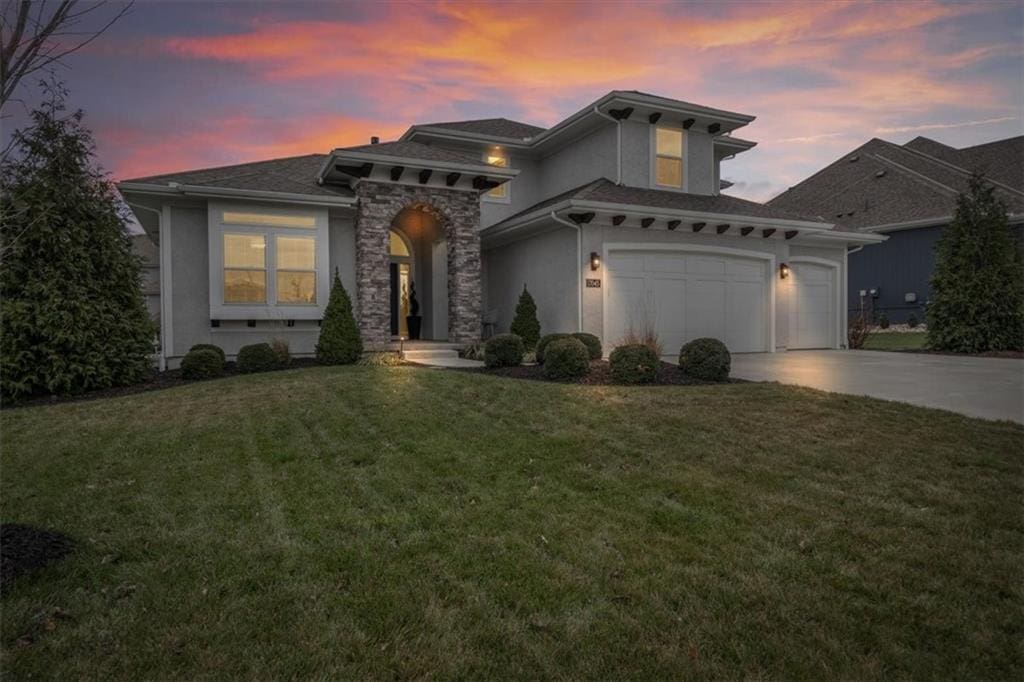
pixel 428 355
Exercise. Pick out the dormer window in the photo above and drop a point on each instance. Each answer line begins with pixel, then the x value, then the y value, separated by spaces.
pixel 496 157
pixel 668 157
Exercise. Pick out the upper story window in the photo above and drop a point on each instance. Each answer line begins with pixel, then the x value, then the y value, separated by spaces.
pixel 497 157
pixel 267 264
pixel 668 157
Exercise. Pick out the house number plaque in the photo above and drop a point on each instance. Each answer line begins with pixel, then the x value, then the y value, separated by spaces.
pixel 593 284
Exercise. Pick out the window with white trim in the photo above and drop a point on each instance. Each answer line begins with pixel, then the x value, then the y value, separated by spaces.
pixel 267 263
pixel 497 158
pixel 668 157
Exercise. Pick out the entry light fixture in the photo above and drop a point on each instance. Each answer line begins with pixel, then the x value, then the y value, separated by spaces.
pixel 783 271
pixel 595 260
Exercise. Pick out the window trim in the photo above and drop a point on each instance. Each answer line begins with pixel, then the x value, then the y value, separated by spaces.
pixel 653 166
pixel 486 196
pixel 270 309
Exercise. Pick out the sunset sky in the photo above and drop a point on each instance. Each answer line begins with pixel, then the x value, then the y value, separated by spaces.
pixel 176 85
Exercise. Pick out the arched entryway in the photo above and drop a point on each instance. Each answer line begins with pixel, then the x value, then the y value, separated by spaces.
pixel 418 262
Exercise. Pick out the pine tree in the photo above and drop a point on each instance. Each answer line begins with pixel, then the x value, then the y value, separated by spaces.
pixel 526 325
pixel 73 313
pixel 339 343
pixel 977 300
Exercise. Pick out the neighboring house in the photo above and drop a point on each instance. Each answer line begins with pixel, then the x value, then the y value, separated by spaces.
pixel 907 193
pixel 612 218
pixel 143 246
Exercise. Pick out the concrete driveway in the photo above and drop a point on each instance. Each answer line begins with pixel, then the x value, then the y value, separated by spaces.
pixel 991 388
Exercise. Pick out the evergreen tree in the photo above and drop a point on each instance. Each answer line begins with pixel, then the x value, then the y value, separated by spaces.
pixel 526 325
pixel 977 301
pixel 72 313
pixel 339 343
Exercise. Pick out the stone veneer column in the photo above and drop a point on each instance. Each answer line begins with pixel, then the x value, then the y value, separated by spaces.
pixel 459 213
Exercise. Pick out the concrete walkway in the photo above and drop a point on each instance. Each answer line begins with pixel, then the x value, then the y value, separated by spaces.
pixel 991 388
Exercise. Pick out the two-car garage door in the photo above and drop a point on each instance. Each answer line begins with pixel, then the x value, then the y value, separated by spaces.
pixel 687 295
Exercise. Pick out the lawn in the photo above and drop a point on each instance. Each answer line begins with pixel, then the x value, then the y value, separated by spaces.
pixel 896 341
pixel 373 522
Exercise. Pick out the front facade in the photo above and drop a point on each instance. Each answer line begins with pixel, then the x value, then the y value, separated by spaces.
pixel 907 193
pixel 613 219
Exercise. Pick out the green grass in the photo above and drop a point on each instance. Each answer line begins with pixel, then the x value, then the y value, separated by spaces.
pixel 404 522
pixel 896 341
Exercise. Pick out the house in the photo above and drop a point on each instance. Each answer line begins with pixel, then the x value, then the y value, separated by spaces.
pixel 908 193
pixel 613 218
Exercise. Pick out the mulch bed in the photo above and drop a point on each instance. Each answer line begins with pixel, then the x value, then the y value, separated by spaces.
pixel 157 381
pixel 24 549
pixel 600 374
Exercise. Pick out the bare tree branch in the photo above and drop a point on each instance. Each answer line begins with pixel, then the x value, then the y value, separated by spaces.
pixel 30 44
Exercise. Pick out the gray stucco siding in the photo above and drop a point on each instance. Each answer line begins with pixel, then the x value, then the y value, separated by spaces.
pixel 545 263
pixel 700 163
pixel 190 286
pixel 588 158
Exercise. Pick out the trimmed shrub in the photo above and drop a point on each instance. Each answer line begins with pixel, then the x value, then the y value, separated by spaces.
pixel 977 284
pixel 566 359
pixel 525 324
pixel 503 350
pixel 339 342
pixel 202 363
pixel 209 346
pixel 281 350
pixel 634 364
pixel 706 359
pixel 912 321
pixel 592 343
pixel 883 320
pixel 543 344
pixel 257 357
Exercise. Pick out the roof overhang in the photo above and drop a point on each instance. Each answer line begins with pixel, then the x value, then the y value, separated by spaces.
pixel 727 145
pixel 618 105
pixel 582 211
pixel 177 190
pixel 353 167
pixel 1012 218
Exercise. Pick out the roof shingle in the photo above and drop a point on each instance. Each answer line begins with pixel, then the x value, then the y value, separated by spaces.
pixel 414 150
pixel 494 127
pixel 881 183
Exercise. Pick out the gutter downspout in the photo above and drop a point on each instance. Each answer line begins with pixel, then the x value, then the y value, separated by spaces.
pixel 618 151
pixel 579 267
pixel 162 362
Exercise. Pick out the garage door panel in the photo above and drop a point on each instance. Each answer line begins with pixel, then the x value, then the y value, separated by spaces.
pixel 812 318
pixel 747 325
pixel 687 296
pixel 668 303
pixel 705 307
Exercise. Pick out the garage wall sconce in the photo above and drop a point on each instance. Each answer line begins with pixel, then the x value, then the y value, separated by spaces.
pixel 595 260
pixel 783 271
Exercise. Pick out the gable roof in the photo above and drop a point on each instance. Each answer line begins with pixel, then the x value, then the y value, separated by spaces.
pixel 291 175
pixel 881 183
pixel 606 191
pixel 495 127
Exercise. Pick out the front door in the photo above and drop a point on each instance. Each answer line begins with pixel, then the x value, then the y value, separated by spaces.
pixel 395 286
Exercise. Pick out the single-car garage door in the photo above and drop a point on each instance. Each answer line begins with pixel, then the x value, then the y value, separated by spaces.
pixel 812 322
pixel 687 295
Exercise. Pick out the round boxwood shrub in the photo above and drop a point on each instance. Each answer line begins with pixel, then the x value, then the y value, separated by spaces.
pixel 634 364
pixel 545 341
pixel 706 359
pixel 202 363
pixel 566 359
pixel 592 343
pixel 504 350
pixel 209 346
pixel 912 321
pixel 257 357
pixel 883 321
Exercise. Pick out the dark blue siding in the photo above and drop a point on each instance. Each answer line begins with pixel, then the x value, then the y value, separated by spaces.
pixel 898 266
